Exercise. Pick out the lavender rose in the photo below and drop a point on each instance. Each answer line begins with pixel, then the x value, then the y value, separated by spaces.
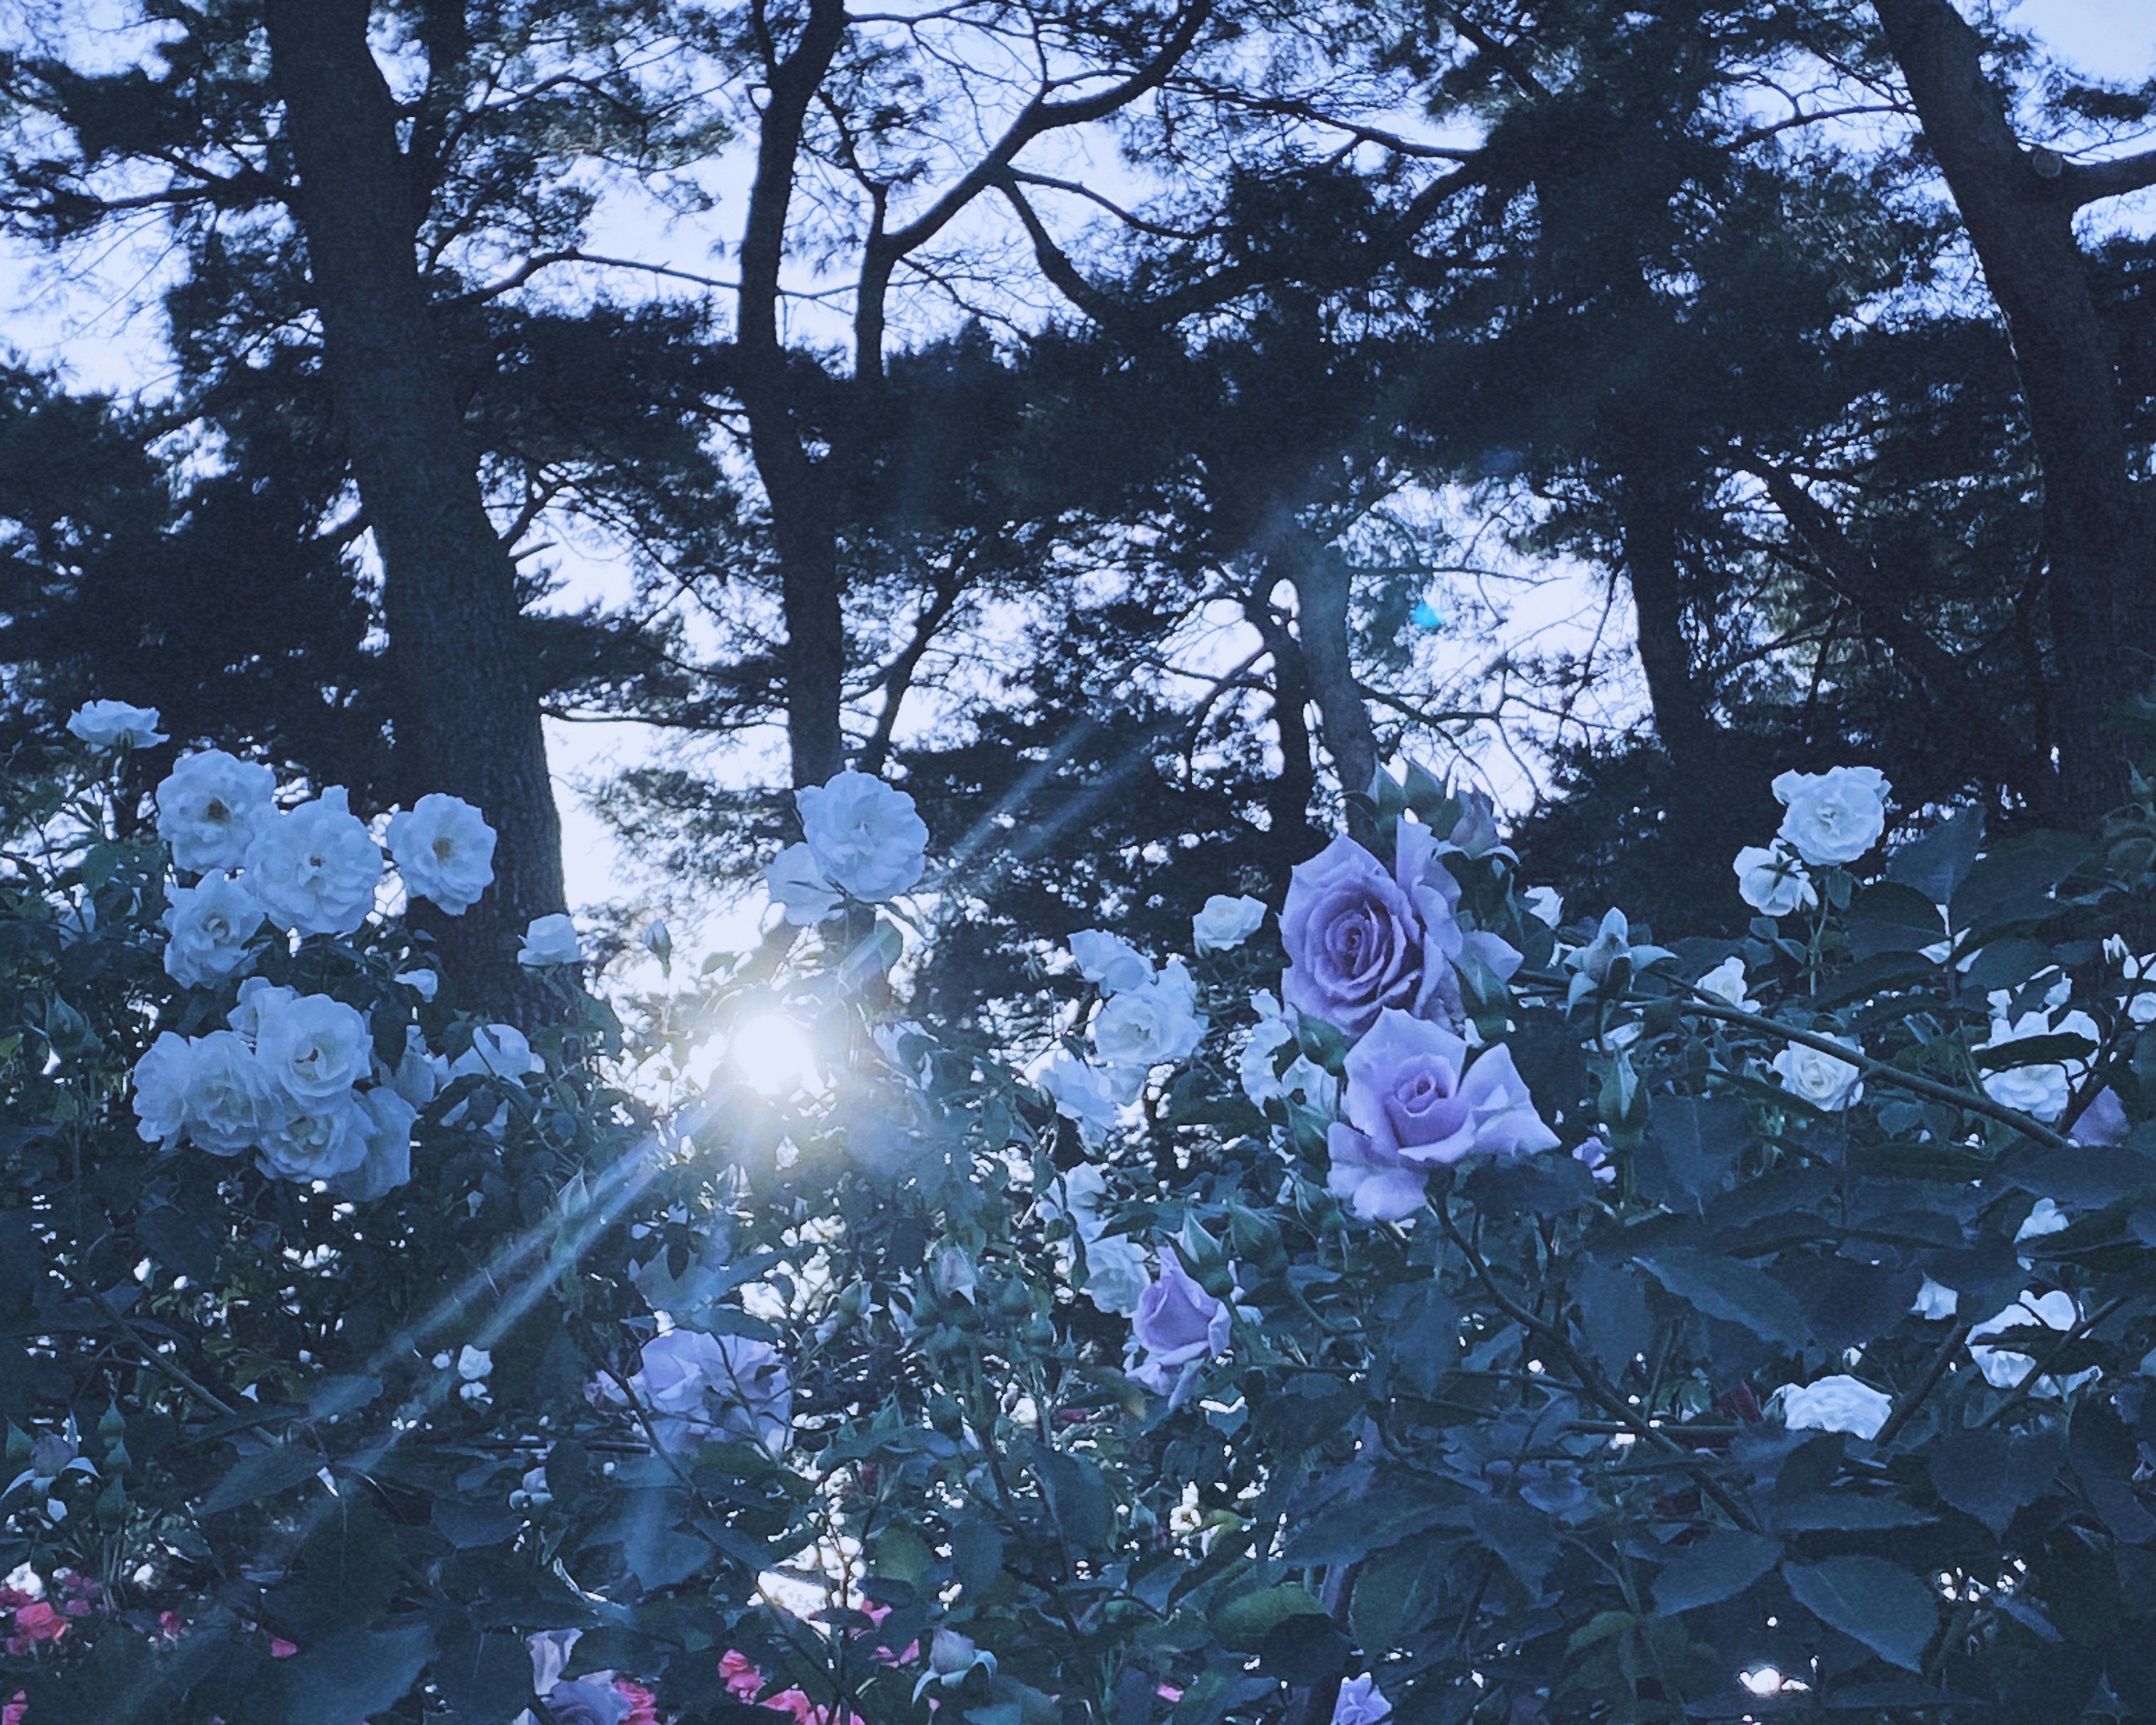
pixel 1179 1326
pixel 1353 939
pixel 1414 1104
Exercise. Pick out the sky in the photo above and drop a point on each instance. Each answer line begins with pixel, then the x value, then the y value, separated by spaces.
pixel 107 337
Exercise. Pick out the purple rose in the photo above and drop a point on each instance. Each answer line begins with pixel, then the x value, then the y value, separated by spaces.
pixel 1353 939
pixel 1179 1326
pixel 1414 1103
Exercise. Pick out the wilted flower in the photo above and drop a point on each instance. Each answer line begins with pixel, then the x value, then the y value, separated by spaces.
pixel 210 806
pixel 107 724
pixel 549 941
pixel 444 850
pixel 1609 957
pixel 1826 1081
pixel 864 835
pixel 1225 923
pixel 1836 1403
pixel 208 927
pixel 1832 817
pixel 316 868
pixel 951 1656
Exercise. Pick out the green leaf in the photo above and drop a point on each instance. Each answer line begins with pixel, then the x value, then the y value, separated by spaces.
pixel 1715 1569
pixel 1736 1292
pixel 1243 1622
pixel 1890 918
pixel 1877 1603
pixel 350 1675
pixel 1937 862
pixel 1989 1475
pixel 274 1469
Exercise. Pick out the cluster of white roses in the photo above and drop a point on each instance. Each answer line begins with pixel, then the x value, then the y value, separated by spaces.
pixel 1145 1019
pixel 696 1388
pixel 1830 818
pixel 295 1077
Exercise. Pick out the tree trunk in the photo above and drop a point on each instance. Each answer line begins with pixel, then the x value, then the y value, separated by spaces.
pixel 2020 220
pixel 1647 520
pixel 1322 585
pixel 464 706
pixel 803 511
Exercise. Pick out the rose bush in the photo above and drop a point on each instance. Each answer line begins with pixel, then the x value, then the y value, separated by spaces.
pixel 1435 1314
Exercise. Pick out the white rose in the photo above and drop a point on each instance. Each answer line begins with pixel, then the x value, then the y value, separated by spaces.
pixel 315 1050
pixel 1834 816
pixel 2041 1092
pixel 163 1077
pixel 2045 1217
pixel 445 850
pixel 499 1051
pixel 2141 1002
pixel 2003 1368
pixel 1822 1080
pixel 1084 1094
pixel 210 807
pixel 864 835
pixel 1544 905
pixel 1772 882
pixel 549 941
pixel 1140 1028
pixel 1116 1274
pixel 316 868
pixel 231 1101
pixel 474 1363
pixel 1225 923
pixel 798 887
pixel 419 1072
pixel 1083 1190
pixel 106 724
pixel 1838 1403
pixel 1109 962
pixel 386 1124
pixel 713 1386
pixel 259 1001
pixel 304 1145
pixel 209 925
pixel 1726 982
pixel 1275 1030
pixel 1936 1301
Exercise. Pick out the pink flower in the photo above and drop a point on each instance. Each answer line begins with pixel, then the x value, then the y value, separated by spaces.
pixel 12 1712
pixel 35 1623
pixel 1168 1691
pixel 170 1626
pixel 279 1648
pixel 796 1703
pixel 742 1679
pixel 643 1704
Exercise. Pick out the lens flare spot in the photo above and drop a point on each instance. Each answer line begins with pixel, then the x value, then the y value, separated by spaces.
pixel 772 1054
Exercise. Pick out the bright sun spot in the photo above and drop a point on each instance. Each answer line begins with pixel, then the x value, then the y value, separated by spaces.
pixel 772 1054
